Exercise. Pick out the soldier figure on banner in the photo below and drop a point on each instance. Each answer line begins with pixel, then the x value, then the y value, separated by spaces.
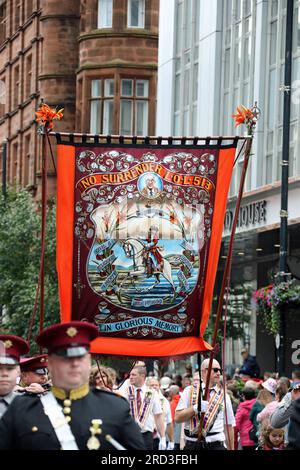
pixel 153 257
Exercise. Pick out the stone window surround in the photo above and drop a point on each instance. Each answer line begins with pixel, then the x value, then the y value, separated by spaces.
pixel 119 75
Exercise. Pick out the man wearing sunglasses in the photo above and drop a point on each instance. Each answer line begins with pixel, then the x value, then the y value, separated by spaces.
pixel 217 428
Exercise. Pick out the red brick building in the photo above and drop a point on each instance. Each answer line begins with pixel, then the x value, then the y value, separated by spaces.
pixel 95 58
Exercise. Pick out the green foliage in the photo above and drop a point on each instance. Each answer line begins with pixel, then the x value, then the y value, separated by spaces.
pixel 239 385
pixel 20 244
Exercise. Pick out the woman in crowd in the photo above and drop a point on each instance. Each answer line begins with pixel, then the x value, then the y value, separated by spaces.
pixel 263 398
pixel 101 378
pixel 270 407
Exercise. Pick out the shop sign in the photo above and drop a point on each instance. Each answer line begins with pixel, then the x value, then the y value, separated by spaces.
pixel 250 215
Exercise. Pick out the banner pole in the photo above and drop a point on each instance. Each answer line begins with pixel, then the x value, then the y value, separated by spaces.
pixel 44 117
pixel 40 290
pixel 43 228
pixel 225 277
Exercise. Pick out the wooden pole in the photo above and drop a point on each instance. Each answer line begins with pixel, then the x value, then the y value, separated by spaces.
pixel 225 277
pixel 43 228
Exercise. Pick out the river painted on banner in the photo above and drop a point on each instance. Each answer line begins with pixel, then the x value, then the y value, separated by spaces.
pixel 136 293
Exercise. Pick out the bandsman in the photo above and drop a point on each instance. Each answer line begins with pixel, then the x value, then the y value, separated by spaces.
pixel 11 349
pixel 34 375
pixel 70 416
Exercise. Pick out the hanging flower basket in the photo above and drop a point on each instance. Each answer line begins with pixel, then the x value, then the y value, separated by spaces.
pixel 269 301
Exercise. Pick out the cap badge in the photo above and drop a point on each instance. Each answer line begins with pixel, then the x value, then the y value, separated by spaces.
pixel 7 344
pixel 42 359
pixel 72 331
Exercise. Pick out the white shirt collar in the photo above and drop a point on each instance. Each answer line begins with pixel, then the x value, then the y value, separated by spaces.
pixel 143 388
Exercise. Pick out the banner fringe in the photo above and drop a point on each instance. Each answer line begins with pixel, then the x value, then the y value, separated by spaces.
pixel 152 141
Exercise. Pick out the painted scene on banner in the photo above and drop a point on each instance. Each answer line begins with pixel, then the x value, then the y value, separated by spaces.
pixel 142 229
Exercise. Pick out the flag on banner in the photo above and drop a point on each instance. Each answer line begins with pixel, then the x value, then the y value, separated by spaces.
pixel 139 230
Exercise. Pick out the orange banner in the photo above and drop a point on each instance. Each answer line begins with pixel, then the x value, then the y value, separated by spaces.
pixel 138 241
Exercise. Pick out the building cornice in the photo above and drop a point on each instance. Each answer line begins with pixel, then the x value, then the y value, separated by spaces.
pixel 264 228
pixel 23 105
pixel 4 44
pixel 30 19
pixel 23 26
pixel 50 173
pixel 135 33
pixel 29 100
pixel 266 190
pixel 117 64
pixel 20 54
pixel 59 16
pixel 13 112
pixel 49 76
pixel 20 131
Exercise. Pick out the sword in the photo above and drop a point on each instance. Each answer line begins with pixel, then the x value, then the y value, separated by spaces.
pixel 114 443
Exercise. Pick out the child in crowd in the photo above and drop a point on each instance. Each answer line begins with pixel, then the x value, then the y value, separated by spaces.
pixel 271 438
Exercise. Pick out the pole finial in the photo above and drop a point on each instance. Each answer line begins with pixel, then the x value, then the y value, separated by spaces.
pixel 256 112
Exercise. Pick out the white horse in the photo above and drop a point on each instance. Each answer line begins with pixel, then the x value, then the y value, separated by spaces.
pixel 134 249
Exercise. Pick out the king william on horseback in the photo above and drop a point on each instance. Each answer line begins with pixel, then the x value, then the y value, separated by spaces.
pixel 152 256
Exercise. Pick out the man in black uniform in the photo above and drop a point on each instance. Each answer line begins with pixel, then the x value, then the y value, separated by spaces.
pixel 34 375
pixel 71 416
pixel 11 348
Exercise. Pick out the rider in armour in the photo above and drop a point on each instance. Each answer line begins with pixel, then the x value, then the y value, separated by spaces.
pixel 153 257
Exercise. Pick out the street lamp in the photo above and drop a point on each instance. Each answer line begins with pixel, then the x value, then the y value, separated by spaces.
pixel 286 89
